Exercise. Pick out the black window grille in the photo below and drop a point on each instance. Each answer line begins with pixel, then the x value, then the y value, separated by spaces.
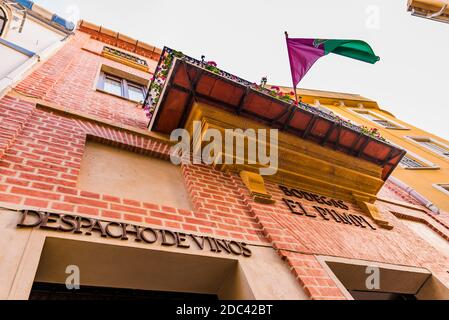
pixel 411 163
pixel 386 124
pixel 435 147
pixel 124 55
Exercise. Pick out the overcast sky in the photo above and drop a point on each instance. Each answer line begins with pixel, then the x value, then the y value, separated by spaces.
pixel 246 38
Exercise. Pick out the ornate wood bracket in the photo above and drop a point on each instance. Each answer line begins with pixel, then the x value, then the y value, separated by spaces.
pixel 256 185
pixel 373 212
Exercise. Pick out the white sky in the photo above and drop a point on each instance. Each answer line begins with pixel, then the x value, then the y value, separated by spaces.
pixel 246 38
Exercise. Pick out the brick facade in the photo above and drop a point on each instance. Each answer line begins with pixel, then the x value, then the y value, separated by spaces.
pixel 47 119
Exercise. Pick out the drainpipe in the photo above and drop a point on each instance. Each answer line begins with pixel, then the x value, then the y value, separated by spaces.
pixel 415 195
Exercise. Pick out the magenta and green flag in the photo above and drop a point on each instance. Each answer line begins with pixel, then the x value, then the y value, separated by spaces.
pixel 303 53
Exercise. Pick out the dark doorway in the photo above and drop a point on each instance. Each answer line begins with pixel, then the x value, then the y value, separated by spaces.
pixel 47 291
pixel 393 282
pixel 153 273
pixel 379 296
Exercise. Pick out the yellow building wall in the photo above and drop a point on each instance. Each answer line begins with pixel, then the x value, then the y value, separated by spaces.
pixel 422 180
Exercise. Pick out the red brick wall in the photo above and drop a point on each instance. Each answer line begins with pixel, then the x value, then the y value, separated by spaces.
pixel 69 80
pixel 113 41
pixel 315 236
pixel 41 168
pixel 41 152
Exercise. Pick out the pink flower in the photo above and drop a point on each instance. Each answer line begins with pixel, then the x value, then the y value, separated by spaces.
pixel 276 88
pixel 212 63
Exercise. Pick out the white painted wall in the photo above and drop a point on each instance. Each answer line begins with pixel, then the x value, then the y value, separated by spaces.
pixel 35 35
pixel 10 60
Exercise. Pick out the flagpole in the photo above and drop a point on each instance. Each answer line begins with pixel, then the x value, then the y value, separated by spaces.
pixel 289 58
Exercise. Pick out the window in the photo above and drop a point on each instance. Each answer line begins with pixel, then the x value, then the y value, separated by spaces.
pixel 409 162
pixel 367 115
pixel 380 121
pixel 413 161
pixel 135 92
pixel 122 87
pixel 3 20
pixel 436 147
pixel 386 124
pixel 113 86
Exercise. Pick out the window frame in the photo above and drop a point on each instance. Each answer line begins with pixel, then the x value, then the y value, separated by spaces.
pixel 137 86
pixel 124 86
pixel 380 118
pixel 418 141
pixel 4 18
pixel 426 164
pixel 116 79
pixel 411 159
